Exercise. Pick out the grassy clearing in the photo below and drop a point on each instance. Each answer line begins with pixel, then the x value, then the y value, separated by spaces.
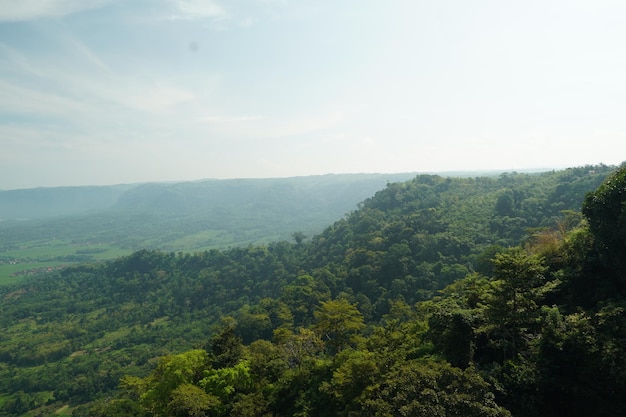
pixel 50 250
pixel 109 337
pixel 40 256
pixel 41 250
pixel 64 411
pixel 12 273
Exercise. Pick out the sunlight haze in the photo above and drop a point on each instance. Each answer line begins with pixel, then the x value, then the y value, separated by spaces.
pixel 110 91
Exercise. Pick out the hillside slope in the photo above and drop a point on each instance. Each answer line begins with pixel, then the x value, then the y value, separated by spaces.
pixel 68 337
pixel 58 226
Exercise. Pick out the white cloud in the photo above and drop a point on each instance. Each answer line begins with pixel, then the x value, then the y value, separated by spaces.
pixel 86 54
pixel 91 93
pixel 21 10
pixel 198 9
pixel 24 10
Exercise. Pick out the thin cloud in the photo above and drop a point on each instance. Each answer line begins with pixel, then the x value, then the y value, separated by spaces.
pixel 23 10
pixel 198 9
pixel 46 88
pixel 87 54
pixel 18 62
pixel 283 87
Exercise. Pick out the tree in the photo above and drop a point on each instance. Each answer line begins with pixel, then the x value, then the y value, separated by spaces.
pixel 338 322
pixel 357 370
pixel 605 210
pixel 504 204
pixel 114 408
pixel 225 382
pixel 450 328
pixel 226 346
pixel 428 388
pixel 155 392
pixel 298 237
pixel 518 289
pixel 302 295
pixel 190 401
pixel 582 360
pixel 300 347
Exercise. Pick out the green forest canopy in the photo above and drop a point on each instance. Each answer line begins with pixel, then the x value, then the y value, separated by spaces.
pixel 439 296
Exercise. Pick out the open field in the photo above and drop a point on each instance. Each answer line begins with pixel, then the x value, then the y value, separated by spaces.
pixel 54 249
pixel 12 273
pixel 42 256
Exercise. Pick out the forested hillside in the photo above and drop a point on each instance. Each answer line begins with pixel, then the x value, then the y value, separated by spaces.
pixel 438 296
pixel 52 227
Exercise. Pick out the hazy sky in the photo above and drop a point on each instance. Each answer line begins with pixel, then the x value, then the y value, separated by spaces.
pixel 118 91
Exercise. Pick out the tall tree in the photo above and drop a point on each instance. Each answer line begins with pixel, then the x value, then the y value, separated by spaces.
pixel 518 289
pixel 338 322
pixel 605 210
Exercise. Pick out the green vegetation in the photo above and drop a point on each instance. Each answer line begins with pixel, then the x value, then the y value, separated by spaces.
pixel 82 224
pixel 34 257
pixel 438 296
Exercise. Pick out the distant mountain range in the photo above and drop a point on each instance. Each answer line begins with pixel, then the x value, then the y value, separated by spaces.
pixel 49 202
pixel 206 213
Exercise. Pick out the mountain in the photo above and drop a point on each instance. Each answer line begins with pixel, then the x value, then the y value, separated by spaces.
pixel 47 228
pixel 420 299
pixel 41 203
pixel 248 210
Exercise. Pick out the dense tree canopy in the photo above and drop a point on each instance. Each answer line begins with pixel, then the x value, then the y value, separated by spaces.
pixel 438 297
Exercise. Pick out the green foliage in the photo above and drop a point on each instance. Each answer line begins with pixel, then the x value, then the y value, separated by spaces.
pixel 434 298
pixel 451 329
pixel 302 295
pixel 83 224
pixel 338 322
pixel 121 408
pixel 357 370
pixel 226 347
pixel 427 388
pixel 582 359
pixel 163 385
pixel 224 382
pixel 505 203
pixel 514 306
pixel 301 347
pixel 190 401
pixel 605 210
pixel 413 238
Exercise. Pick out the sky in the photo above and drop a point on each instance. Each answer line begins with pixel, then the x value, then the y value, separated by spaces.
pixel 97 92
